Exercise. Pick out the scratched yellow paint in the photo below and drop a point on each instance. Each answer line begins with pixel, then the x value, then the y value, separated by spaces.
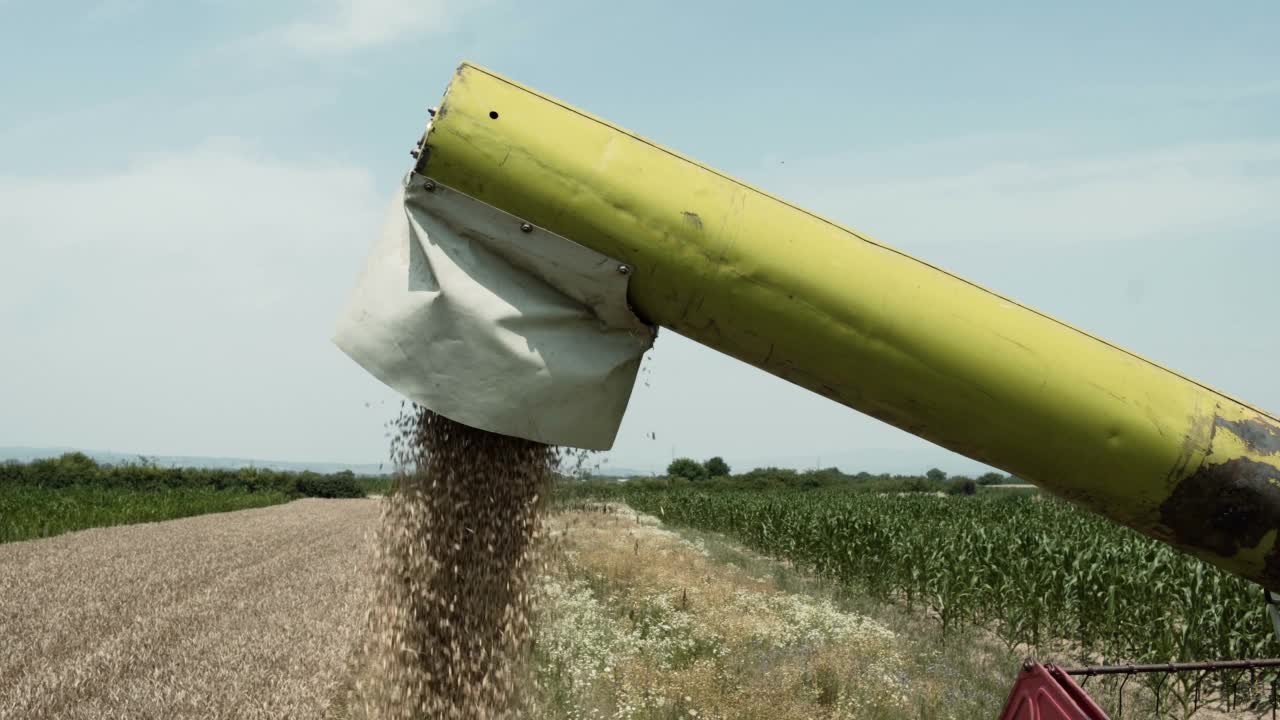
pixel 847 316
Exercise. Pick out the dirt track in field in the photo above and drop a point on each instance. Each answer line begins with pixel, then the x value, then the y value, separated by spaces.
pixel 250 614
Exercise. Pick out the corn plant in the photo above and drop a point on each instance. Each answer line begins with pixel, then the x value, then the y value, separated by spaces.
pixel 1044 576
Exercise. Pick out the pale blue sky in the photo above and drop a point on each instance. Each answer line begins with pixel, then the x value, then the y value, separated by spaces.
pixel 187 191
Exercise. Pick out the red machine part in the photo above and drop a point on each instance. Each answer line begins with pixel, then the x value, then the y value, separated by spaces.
pixel 1045 692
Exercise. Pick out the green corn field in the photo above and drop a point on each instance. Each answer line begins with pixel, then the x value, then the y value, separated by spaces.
pixel 1043 577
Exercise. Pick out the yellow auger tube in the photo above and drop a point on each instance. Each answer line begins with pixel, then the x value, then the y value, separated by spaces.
pixel 846 316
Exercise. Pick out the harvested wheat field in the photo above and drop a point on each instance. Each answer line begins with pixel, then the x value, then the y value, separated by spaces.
pixel 250 614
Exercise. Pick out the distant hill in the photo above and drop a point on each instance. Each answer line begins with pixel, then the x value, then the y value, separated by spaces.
pixel 608 471
pixel 27 454
pixel 894 461
pixel 869 460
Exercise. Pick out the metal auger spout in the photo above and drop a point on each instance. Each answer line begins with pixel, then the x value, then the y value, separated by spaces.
pixel 862 323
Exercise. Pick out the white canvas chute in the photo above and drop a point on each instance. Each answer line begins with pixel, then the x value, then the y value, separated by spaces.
pixel 493 323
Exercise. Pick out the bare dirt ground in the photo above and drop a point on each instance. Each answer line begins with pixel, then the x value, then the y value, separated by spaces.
pixel 250 614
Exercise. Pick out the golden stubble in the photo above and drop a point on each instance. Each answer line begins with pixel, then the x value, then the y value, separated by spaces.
pixel 249 614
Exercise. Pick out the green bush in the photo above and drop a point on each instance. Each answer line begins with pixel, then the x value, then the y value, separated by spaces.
pixel 376 484
pixel 992 478
pixel 687 468
pixel 717 467
pixel 338 485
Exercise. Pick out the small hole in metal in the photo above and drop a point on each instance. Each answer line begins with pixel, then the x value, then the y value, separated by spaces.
pixel 493 114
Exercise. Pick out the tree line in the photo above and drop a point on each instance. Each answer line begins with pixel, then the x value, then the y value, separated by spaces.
pixel 714 472
pixel 76 469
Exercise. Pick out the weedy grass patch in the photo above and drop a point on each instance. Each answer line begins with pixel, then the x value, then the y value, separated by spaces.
pixel 636 623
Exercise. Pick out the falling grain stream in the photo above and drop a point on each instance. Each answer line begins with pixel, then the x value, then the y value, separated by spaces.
pixel 450 620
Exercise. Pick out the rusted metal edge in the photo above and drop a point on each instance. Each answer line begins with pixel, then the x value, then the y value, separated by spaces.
pixel 1231 503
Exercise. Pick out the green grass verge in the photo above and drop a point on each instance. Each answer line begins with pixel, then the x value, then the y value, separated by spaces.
pixel 28 512
pixel 375 484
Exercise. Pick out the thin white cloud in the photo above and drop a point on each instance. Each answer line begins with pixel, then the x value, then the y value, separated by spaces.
pixel 184 304
pixel 347 25
pixel 1050 198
